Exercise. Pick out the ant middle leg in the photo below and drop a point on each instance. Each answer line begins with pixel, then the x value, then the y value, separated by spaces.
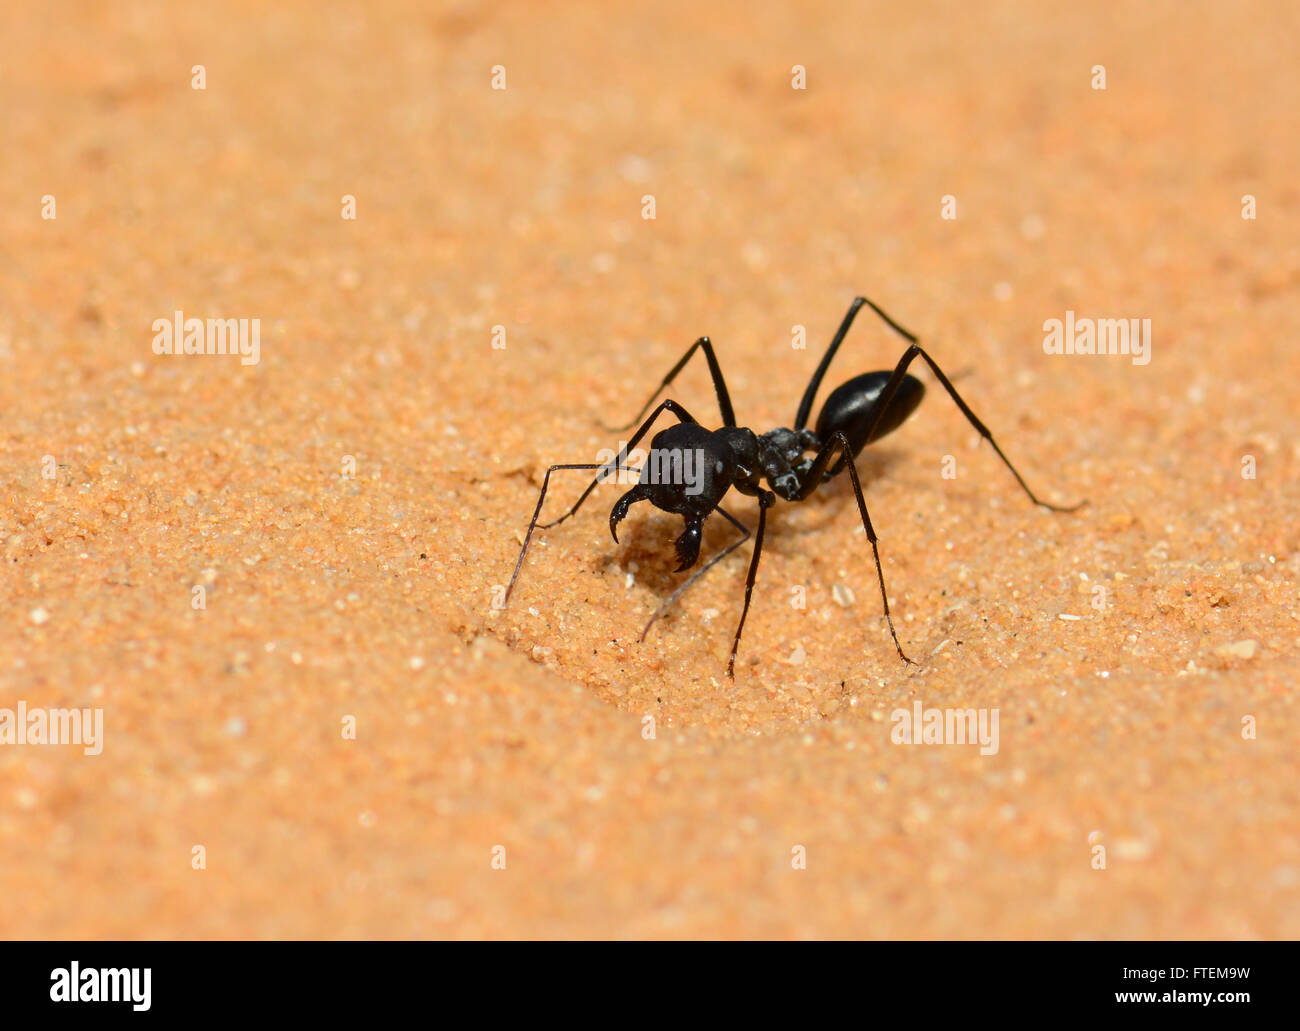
pixel 766 499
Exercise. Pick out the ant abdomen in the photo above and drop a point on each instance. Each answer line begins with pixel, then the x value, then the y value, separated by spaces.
pixel 847 407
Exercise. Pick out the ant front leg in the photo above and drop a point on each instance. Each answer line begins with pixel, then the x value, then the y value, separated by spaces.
pixel 532 525
pixel 613 467
pixel 605 469
pixel 719 385
pixel 814 478
pixel 881 406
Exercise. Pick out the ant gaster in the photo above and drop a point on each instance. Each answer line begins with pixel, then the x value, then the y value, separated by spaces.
pixel 793 462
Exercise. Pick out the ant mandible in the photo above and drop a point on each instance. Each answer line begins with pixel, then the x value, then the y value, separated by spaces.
pixel 855 414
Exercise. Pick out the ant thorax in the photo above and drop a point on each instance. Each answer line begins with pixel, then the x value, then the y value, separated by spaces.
pixel 780 457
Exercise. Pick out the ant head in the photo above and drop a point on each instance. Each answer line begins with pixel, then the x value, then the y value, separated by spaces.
pixel 687 472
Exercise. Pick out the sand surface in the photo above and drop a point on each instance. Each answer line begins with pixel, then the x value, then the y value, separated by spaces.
pixel 350 503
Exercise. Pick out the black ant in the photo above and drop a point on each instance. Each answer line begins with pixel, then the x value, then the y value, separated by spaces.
pixel 855 414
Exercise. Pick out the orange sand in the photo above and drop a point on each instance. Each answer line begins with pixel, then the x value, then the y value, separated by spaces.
pixel 370 595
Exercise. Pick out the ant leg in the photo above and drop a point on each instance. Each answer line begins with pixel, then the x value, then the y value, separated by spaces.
pixel 766 500
pixel 881 405
pixel 612 467
pixel 703 569
pixel 805 406
pixel 813 480
pixel 532 525
pixel 719 386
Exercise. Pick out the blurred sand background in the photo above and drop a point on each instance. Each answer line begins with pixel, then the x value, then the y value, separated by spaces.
pixel 369 595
